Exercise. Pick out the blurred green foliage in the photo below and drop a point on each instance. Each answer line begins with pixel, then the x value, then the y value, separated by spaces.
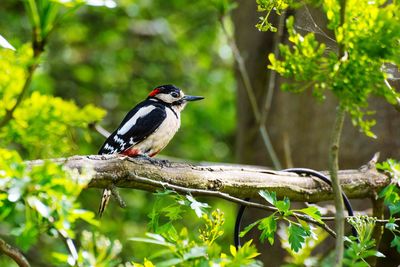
pixel 109 54
pixel 115 57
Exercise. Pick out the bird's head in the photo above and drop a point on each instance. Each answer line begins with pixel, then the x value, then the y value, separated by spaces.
pixel 172 95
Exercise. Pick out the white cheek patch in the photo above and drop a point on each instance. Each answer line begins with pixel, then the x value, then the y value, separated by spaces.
pixel 132 121
pixel 167 98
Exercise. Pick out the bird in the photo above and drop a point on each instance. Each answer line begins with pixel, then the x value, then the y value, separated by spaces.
pixel 147 128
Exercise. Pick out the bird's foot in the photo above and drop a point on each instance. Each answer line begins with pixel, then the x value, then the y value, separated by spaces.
pixel 158 162
pixel 117 196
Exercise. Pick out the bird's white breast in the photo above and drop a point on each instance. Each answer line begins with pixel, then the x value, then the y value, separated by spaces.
pixel 163 135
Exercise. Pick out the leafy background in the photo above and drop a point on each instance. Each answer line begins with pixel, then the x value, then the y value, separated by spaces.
pixel 99 62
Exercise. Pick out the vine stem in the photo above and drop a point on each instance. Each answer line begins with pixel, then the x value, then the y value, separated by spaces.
pixel 337 190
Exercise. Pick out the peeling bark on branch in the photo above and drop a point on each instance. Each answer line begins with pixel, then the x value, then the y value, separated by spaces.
pixel 236 180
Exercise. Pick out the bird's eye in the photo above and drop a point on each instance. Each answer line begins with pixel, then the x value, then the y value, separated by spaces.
pixel 174 94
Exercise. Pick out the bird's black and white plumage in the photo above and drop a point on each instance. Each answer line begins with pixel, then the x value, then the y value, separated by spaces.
pixel 148 127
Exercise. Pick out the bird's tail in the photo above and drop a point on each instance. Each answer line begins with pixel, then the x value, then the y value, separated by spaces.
pixel 104 201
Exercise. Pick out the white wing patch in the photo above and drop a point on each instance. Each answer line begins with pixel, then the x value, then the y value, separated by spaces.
pixel 132 121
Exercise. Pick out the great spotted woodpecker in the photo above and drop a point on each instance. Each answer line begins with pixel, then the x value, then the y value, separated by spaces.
pixel 148 127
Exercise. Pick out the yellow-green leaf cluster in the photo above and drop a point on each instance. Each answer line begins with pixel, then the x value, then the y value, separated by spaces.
pixel 46 126
pixel 12 75
pixel 369 39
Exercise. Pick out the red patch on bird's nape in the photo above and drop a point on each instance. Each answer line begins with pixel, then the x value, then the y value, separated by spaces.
pixel 154 92
pixel 132 152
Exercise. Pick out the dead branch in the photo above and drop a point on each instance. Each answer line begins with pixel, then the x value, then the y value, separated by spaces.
pixel 235 180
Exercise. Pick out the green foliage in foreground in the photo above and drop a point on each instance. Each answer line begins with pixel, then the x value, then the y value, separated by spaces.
pixel 38 200
pixel 391 197
pixel 184 247
pixel 363 246
pixel 298 230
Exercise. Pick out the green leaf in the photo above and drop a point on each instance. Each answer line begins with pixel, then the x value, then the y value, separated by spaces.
pixel 173 212
pixel 269 197
pixel 268 228
pixel 99 3
pixel 41 208
pixel 248 228
pixel 197 206
pixel 396 243
pixel 297 235
pixel 391 226
pixel 153 239
pixel 195 252
pixel 313 212
pixel 283 206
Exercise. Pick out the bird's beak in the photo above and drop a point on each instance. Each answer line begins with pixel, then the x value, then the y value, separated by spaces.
pixel 192 98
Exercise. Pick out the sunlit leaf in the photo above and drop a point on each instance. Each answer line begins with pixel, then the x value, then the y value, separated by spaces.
pixel 268 227
pixel 270 197
pixel 313 212
pixel 5 44
pixel 248 228
pixel 197 206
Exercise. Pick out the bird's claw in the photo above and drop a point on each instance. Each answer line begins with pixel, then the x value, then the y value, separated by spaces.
pixel 117 196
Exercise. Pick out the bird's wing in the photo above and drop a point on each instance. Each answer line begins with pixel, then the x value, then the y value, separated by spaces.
pixel 138 124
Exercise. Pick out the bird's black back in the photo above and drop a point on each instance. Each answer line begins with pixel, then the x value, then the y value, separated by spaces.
pixel 144 126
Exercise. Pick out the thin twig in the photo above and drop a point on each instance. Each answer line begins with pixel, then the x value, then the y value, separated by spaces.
pixel 13 253
pixel 251 95
pixel 229 198
pixel 397 99
pixel 96 127
pixel 272 74
pixel 9 112
pixel 377 221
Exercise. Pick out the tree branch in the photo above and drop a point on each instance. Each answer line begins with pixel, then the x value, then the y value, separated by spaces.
pixel 13 253
pixel 337 190
pixel 238 181
pixel 229 182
